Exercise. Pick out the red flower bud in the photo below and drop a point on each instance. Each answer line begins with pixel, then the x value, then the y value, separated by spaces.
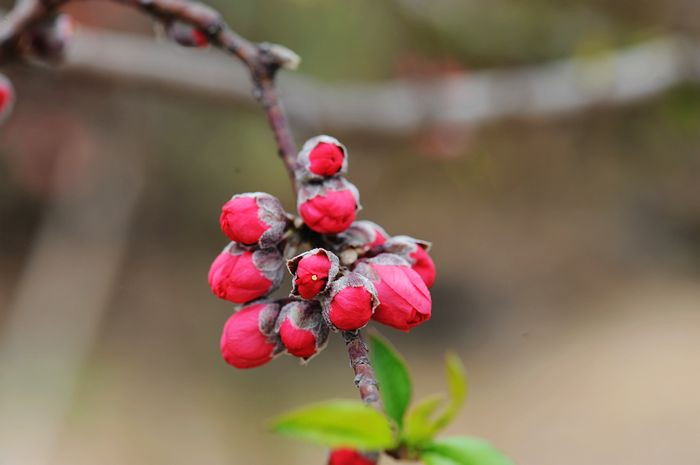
pixel 364 234
pixel 313 271
pixel 240 275
pixel 302 329
pixel 248 339
pixel 404 300
pixel 7 97
pixel 186 34
pixel 253 218
pixel 350 303
pixel 328 208
pixel 349 457
pixel 416 252
pixel 322 156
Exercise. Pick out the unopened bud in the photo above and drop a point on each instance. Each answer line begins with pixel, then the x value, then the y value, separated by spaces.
pixel 249 339
pixel 321 157
pixel 302 329
pixel 313 271
pixel 254 218
pixel 350 302
pixel 329 207
pixel 240 275
pixel 404 300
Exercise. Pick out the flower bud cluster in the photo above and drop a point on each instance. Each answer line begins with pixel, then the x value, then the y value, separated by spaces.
pixel 353 273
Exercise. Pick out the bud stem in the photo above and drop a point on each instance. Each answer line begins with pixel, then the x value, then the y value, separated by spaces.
pixel 365 379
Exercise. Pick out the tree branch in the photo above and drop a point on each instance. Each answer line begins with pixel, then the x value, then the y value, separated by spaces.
pixel 262 60
pixel 365 379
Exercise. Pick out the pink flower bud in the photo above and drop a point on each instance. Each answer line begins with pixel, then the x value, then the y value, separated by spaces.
pixel 302 329
pixel 186 34
pixel 322 156
pixel 241 275
pixel 313 271
pixel 349 457
pixel 364 234
pixel 404 300
pixel 330 207
pixel 350 302
pixel 248 339
pixel 7 98
pixel 416 252
pixel 253 218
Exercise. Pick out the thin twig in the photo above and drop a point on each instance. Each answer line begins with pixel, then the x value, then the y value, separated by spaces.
pixel 263 60
pixel 365 379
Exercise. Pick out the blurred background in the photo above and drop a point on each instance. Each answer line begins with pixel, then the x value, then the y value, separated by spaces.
pixel 548 149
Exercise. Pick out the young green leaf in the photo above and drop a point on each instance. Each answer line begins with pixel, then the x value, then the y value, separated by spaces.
pixel 457 382
pixel 419 426
pixel 339 423
pixel 393 377
pixel 462 450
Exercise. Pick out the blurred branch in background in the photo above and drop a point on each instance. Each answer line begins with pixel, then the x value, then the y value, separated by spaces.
pixel 64 291
pixel 404 105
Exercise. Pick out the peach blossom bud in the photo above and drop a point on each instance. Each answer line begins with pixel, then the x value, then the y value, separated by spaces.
pixel 248 339
pixel 241 275
pixel 302 329
pixel 313 271
pixel 321 157
pixel 404 300
pixel 350 302
pixel 253 218
pixel 329 207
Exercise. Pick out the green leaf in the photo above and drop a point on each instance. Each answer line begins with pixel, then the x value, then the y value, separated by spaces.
pixel 419 426
pixel 430 458
pixel 393 377
pixel 339 423
pixel 462 450
pixel 457 382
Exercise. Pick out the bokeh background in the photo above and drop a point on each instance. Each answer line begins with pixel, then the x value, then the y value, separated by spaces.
pixel 567 243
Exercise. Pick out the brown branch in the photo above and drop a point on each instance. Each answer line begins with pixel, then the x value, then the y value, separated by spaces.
pixel 365 379
pixel 263 60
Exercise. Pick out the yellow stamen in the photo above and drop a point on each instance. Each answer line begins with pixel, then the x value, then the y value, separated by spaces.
pixel 314 277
